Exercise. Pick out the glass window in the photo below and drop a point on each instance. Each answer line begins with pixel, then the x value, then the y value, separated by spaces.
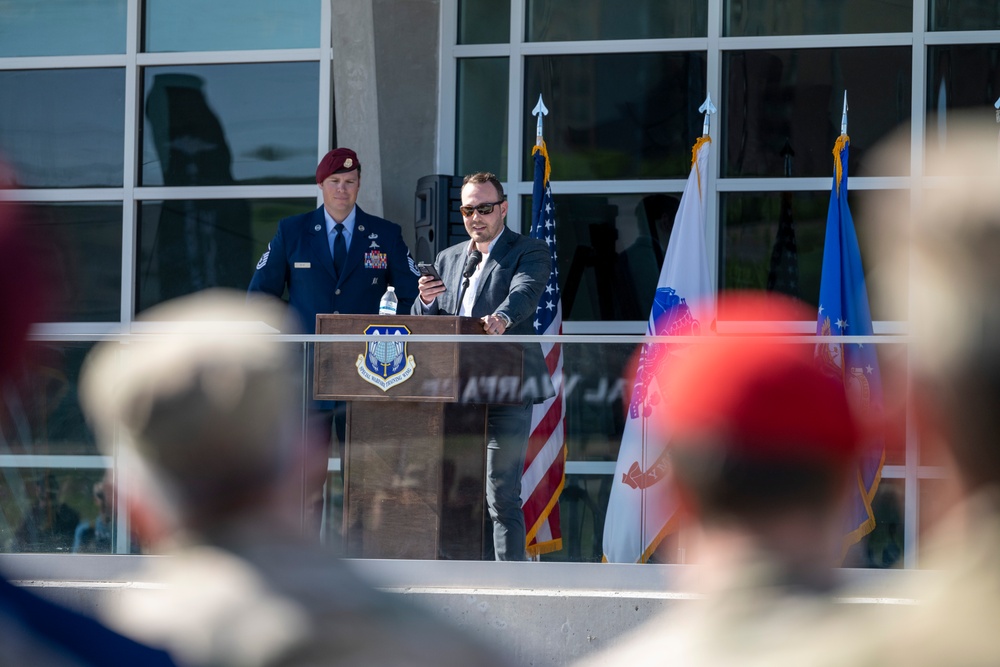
pixel 950 89
pixel 77 234
pixel 815 17
pixel 55 510
pixel 616 116
pixel 610 252
pixel 483 21
pixel 192 244
pixel 774 98
pixel 552 20
pixel 481 126
pixel 583 508
pixel 774 241
pixel 62 27
pixel 64 128
pixel 883 547
pixel 964 15
pixel 230 25
pixel 230 124
pixel 40 414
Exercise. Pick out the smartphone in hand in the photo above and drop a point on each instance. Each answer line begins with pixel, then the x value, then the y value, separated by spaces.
pixel 429 270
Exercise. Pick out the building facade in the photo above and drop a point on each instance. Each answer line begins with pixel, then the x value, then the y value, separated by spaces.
pixel 158 142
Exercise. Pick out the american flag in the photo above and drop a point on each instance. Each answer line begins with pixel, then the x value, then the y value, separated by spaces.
pixel 545 463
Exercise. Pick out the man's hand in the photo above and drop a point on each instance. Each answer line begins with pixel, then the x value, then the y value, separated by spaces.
pixel 429 288
pixel 494 324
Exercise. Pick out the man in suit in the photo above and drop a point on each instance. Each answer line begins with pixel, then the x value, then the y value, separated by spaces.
pixel 336 259
pixel 502 289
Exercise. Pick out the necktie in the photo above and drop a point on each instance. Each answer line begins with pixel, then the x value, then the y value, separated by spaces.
pixel 339 249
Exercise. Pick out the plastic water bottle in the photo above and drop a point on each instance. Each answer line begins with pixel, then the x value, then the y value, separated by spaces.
pixel 387 306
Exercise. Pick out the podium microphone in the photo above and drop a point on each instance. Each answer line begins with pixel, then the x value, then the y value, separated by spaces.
pixel 475 257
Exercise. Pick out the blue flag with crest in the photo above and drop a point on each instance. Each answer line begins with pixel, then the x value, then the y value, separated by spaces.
pixel 844 311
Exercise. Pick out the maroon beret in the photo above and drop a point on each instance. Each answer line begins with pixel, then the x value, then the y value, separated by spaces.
pixel 337 161
pixel 759 397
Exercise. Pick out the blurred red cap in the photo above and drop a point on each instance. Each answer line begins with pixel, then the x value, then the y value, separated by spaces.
pixel 25 292
pixel 758 397
pixel 337 161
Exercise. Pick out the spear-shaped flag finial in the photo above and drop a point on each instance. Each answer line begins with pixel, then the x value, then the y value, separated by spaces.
pixel 843 119
pixel 708 109
pixel 540 110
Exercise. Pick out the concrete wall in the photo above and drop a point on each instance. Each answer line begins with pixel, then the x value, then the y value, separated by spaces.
pixel 406 62
pixel 385 86
pixel 545 613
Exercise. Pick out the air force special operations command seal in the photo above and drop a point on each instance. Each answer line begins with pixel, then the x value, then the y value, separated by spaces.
pixel 385 363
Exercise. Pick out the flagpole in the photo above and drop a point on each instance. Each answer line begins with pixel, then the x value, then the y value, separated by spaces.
pixel 540 111
pixel 843 118
pixel 708 109
pixel 996 105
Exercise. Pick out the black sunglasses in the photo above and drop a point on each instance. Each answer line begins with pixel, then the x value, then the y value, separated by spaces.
pixel 482 209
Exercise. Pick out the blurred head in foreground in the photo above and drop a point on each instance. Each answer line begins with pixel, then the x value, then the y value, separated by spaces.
pixel 947 254
pixel 206 414
pixel 761 440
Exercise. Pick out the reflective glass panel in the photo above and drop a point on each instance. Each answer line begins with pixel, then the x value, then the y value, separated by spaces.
pixel 230 25
pixel 77 234
pixel 422 462
pixel 62 27
pixel 951 87
pixel 610 250
pixel 795 98
pixel 40 414
pixel 774 241
pixel 230 124
pixel 883 547
pixel 553 21
pixel 55 510
pixel 481 126
pixel 483 21
pixel 630 115
pixel 964 15
pixel 189 245
pixel 64 128
pixel 815 17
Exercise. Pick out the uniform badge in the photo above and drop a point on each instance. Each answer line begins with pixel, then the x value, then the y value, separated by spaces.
pixel 316 228
pixel 361 228
pixel 385 363
pixel 263 258
pixel 371 236
pixel 374 245
pixel 348 162
pixel 376 259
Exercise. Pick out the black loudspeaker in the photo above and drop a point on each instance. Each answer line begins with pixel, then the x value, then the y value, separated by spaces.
pixel 437 220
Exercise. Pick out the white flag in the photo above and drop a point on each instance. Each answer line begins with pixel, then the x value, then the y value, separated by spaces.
pixel 641 508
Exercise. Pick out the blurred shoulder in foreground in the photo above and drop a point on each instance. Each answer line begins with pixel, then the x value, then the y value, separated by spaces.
pixel 209 424
pixel 946 243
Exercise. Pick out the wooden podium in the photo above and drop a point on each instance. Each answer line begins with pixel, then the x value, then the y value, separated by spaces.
pixel 416 431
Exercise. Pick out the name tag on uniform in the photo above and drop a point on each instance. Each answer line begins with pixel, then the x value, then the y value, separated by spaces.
pixel 301 265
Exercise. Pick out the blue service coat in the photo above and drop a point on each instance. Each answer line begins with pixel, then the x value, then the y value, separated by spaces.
pixel 299 256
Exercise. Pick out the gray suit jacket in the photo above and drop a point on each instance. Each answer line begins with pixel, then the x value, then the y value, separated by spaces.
pixel 512 283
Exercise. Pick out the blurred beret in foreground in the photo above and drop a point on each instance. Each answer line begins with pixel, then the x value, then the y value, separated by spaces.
pixel 757 397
